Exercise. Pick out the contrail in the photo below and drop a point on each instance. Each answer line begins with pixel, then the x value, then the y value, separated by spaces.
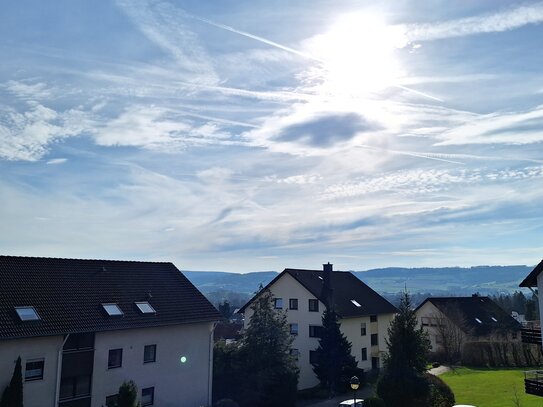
pixel 256 37
pixel 428 156
pixel 292 50
pixel 215 119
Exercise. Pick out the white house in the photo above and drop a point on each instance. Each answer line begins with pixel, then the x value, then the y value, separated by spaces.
pixel 457 320
pixel 82 327
pixel 533 380
pixel 304 295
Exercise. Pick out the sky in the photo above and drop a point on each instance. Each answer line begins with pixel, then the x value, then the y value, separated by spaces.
pixel 258 135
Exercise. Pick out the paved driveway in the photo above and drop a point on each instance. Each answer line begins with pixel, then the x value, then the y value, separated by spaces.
pixel 366 391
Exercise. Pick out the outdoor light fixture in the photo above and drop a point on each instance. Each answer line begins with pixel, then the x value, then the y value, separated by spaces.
pixel 355 383
pixel 183 359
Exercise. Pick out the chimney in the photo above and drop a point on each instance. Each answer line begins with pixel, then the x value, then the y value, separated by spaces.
pixel 327 288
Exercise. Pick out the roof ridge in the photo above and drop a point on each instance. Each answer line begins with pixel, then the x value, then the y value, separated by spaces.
pixel 80 259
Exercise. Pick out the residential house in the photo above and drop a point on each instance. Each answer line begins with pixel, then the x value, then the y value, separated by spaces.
pixel 457 320
pixel 533 380
pixel 83 327
pixel 305 294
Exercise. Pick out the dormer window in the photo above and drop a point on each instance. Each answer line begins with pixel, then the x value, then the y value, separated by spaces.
pixel 27 313
pixel 356 303
pixel 112 310
pixel 145 307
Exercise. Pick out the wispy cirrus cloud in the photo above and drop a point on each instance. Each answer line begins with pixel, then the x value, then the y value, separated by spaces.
pixel 165 25
pixel 496 22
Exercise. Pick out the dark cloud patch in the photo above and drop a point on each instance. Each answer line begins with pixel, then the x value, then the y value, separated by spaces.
pixel 326 130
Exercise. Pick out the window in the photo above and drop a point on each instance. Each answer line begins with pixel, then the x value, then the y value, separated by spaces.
pixel 374 340
pixel 84 341
pixel 494 319
pixel 356 303
pixel 364 354
pixel 27 314
pixel 76 386
pixel 34 370
pixel 295 353
pixel 373 318
pixel 145 307
pixel 293 303
pixel 313 305
pixel 362 329
pixel 149 353
pixel 478 320
pixel 112 401
pixel 278 303
pixel 112 310
pixel 514 335
pixel 147 396
pixel 294 329
pixel 313 356
pixel 315 331
pixel 425 321
pixel 439 339
pixel 115 358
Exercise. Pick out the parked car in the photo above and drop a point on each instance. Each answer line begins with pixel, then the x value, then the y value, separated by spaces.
pixel 350 403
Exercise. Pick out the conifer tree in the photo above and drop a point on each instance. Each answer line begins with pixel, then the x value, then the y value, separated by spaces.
pixel 128 395
pixel 271 373
pixel 13 393
pixel 403 382
pixel 334 362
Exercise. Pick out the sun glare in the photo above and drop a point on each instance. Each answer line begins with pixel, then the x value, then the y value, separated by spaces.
pixel 358 53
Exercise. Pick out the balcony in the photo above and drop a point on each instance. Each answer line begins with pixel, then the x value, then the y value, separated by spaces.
pixel 531 332
pixel 533 382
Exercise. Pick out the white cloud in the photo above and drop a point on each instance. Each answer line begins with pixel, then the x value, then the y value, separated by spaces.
pixel 27 135
pixel 497 22
pixel 23 90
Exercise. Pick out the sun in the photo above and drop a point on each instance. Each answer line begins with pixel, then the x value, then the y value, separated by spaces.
pixel 359 54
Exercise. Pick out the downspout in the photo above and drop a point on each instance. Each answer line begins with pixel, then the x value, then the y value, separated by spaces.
pixel 210 371
pixel 59 367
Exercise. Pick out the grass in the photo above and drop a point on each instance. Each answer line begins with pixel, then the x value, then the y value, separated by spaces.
pixel 490 387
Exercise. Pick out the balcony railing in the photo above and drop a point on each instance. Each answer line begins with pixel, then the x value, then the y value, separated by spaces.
pixel 531 332
pixel 533 382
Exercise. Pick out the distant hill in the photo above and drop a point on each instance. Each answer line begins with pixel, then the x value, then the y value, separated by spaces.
pixel 437 281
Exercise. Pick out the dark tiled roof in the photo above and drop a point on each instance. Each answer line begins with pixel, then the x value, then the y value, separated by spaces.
pixel 68 293
pixel 346 287
pixel 531 279
pixel 463 311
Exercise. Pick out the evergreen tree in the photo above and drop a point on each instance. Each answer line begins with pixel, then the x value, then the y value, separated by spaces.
pixel 271 374
pixel 403 382
pixel 128 395
pixel 13 393
pixel 334 363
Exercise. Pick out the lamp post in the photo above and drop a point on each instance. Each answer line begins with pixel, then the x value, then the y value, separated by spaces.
pixel 355 383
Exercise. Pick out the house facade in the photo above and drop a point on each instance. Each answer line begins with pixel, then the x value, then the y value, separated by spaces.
pixel 304 295
pixel 533 380
pixel 457 320
pixel 83 327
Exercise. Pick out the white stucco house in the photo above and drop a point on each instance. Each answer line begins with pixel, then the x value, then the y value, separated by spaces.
pixel 82 327
pixel 304 295
pixel 457 320
pixel 533 380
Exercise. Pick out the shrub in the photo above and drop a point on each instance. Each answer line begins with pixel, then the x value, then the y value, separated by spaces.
pixel 226 403
pixel 374 402
pixel 441 394
pixel 128 395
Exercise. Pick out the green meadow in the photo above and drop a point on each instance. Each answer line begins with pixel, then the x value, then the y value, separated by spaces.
pixel 490 387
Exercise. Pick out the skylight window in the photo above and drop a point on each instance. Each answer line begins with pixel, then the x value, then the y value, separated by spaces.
pixel 356 303
pixel 27 313
pixel 320 277
pixel 494 319
pixel 478 320
pixel 145 307
pixel 112 310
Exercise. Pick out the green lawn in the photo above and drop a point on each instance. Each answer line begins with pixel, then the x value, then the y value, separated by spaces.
pixel 490 387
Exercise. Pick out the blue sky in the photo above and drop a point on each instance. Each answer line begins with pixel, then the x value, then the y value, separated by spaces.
pixel 257 135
